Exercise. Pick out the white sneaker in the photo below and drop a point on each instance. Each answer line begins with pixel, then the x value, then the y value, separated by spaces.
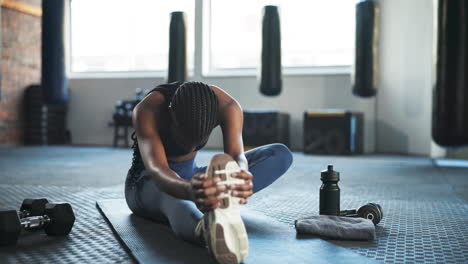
pixel 225 233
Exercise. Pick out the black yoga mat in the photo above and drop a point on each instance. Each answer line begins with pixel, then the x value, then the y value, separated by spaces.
pixel 269 240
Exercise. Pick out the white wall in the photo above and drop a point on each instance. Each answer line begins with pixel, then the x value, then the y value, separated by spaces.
pixel 92 102
pixel 404 100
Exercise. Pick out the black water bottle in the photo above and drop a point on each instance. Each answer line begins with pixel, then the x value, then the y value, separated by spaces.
pixel 330 192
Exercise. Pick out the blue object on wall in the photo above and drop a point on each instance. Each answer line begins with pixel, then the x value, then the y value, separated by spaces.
pixel 54 80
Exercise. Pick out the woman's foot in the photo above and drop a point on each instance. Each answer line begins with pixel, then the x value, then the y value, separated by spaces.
pixel 223 229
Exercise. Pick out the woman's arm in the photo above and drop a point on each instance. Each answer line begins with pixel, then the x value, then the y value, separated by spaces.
pixel 231 122
pixel 145 120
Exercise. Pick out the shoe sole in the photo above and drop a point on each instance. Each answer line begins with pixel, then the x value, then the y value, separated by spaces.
pixel 230 243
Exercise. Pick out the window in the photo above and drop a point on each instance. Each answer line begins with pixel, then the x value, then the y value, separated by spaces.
pixel 133 36
pixel 314 33
pixel 118 35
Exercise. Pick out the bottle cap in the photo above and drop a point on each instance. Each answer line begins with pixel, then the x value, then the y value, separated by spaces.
pixel 329 174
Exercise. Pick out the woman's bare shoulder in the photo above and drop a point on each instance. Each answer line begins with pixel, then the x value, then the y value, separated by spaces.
pixel 153 102
pixel 224 98
pixel 150 113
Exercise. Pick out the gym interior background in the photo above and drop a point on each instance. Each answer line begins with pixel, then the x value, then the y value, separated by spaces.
pixel 70 71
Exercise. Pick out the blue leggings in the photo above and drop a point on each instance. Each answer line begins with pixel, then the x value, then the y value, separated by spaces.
pixel 266 163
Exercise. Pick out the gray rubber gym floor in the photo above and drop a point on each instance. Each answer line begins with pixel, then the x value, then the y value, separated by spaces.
pixel 425 205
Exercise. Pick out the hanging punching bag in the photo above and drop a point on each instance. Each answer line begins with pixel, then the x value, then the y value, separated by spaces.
pixel 365 72
pixel 271 79
pixel 177 70
pixel 450 97
pixel 53 80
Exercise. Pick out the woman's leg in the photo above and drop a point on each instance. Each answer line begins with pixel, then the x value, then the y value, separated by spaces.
pixel 146 200
pixel 266 163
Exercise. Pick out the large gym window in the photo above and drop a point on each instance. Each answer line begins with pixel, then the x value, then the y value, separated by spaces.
pixel 315 33
pixel 125 36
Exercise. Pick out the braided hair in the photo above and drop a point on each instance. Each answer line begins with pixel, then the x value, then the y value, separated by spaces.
pixel 137 163
pixel 194 111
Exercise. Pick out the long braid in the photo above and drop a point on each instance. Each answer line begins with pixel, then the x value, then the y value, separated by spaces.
pixel 206 111
pixel 199 109
pixel 137 163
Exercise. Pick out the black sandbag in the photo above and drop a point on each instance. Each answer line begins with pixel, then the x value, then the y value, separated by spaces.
pixel 177 70
pixel 271 79
pixel 365 74
pixel 53 80
pixel 450 98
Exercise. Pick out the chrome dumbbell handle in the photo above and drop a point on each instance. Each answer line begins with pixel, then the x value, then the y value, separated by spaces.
pixel 23 214
pixel 34 222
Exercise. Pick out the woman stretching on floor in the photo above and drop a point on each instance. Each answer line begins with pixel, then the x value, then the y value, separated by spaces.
pixel 172 123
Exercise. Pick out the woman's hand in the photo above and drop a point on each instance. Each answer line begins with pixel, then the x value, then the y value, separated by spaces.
pixel 205 192
pixel 245 190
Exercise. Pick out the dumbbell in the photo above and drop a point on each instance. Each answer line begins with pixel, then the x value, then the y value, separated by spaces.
pixel 32 207
pixel 58 220
pixel 138 94
pixel 371 211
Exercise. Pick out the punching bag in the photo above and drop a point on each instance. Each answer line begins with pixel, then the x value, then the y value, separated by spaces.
pixel 177 70
pixel 450 97
pixel 53 80
pixel 366 63
pixel 271 79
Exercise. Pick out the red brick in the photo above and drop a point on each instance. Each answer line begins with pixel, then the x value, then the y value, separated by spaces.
pixel 20 66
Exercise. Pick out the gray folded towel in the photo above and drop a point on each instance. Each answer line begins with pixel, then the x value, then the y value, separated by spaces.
pixel 336 227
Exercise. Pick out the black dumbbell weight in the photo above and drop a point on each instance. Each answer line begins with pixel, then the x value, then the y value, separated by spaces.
pixel 61 218
pixel 58 220
pixel 32 207
pixel 10 227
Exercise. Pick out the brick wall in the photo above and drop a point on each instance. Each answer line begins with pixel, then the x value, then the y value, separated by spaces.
pixel 20 65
